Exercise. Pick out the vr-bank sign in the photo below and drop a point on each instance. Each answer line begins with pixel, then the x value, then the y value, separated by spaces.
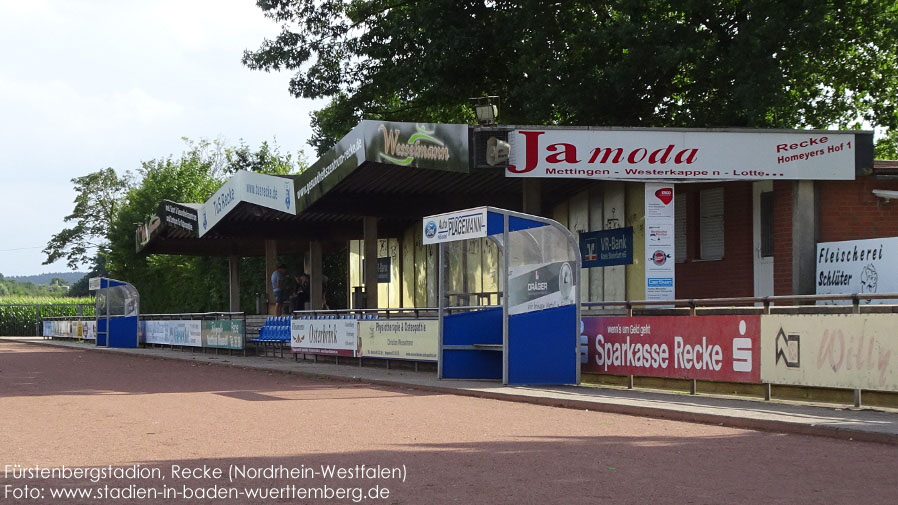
pixel 461 225
pixel 666 155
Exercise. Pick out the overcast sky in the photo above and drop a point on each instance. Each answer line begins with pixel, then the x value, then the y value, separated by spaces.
pixel 87 84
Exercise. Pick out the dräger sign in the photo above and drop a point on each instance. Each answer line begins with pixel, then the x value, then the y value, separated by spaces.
pixel 653 154
pixel 721 348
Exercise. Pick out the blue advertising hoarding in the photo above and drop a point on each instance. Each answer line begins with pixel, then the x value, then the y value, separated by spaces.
pixel 607 248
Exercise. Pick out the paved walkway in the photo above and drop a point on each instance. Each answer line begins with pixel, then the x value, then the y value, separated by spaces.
pixel 877 425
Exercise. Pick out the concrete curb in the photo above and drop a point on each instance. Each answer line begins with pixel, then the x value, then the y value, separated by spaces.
pixel 768 425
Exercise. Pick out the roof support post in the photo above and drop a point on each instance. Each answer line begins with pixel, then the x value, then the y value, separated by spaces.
pixel 271 259
pixel 804 237
pixel 316 275
pixel 532 193
pixel 369 233
pixel 234 283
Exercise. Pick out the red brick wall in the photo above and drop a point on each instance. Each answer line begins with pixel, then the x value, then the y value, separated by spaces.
pixel 734 274
pixel 849 211
pixel 782 237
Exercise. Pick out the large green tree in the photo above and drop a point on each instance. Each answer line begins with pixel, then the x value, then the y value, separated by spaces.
pixel 104 219
pixel 695 63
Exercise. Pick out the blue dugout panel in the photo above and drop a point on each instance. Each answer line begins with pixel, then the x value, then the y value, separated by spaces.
pixel 532 337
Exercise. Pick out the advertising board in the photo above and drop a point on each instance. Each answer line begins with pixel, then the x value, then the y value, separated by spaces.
pixel 412 339
pixel 681 154
pixel 223 334
pixel 89 330
pixel 719 348
pixel 421 145
pixel 539 287
pixel 186 333
pixel 858 266
pixel 264 190
pixel 854 351
pixel 451 226
pixel 607 248
pixel 179 216
pixel 659 242
pixel 338 337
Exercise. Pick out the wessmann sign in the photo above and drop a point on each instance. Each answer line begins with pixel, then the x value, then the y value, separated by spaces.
pixel 672 154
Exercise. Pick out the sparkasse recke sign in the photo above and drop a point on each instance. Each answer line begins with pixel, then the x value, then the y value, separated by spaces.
pixel 677 154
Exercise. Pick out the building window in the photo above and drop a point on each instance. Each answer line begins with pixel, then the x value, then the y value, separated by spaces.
pixel 711 224
pixel 680 228
pixel 766 224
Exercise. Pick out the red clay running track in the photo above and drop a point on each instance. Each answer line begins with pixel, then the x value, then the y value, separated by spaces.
pixel 90 409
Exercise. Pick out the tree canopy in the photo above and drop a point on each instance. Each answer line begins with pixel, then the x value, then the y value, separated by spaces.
pixel 107 206
pixel 687 63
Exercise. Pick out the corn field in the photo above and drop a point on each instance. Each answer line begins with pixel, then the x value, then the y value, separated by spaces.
pixel 21 315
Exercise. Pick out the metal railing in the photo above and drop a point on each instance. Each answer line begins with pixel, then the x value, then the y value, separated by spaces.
pixel 762 305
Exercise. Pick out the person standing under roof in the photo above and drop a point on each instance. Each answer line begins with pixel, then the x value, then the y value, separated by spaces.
pixel 278 277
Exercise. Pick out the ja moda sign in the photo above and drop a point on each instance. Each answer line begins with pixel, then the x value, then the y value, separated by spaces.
pixel 682 155
pixel 720 348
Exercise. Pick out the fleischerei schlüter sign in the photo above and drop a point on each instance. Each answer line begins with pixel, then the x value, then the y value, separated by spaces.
pixel 632 154
pixel 858 267
pixel 268 191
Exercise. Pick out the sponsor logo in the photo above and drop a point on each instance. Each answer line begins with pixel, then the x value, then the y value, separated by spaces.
pixel 660 282
pixel 430 229
pixel 289 199
pixel 536 285
pixel 205 221
pixel 788 349
pixel 742 350
pixel 665 195
pixel 566 282
pixel 421 145
pixel 565 153
pixel 659 257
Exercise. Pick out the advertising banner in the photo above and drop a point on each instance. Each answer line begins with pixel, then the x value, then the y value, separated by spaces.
pixel 421 145
pixel 264 190
pixel 540 287
pixel 48 329
pixel 858 266
pixel 223 334
pixel 854 351
pixel 331 168
pixel 338 337
pixel 685 155
pixel 451 226
pixel 383 270
pixel 659 241
pixel 718 348
pixel 89 330
pixel 607 248
pixel 181 217
pixel 187 333
pixel 413 339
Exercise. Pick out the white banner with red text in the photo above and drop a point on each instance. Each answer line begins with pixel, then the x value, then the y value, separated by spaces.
pixel 634 154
